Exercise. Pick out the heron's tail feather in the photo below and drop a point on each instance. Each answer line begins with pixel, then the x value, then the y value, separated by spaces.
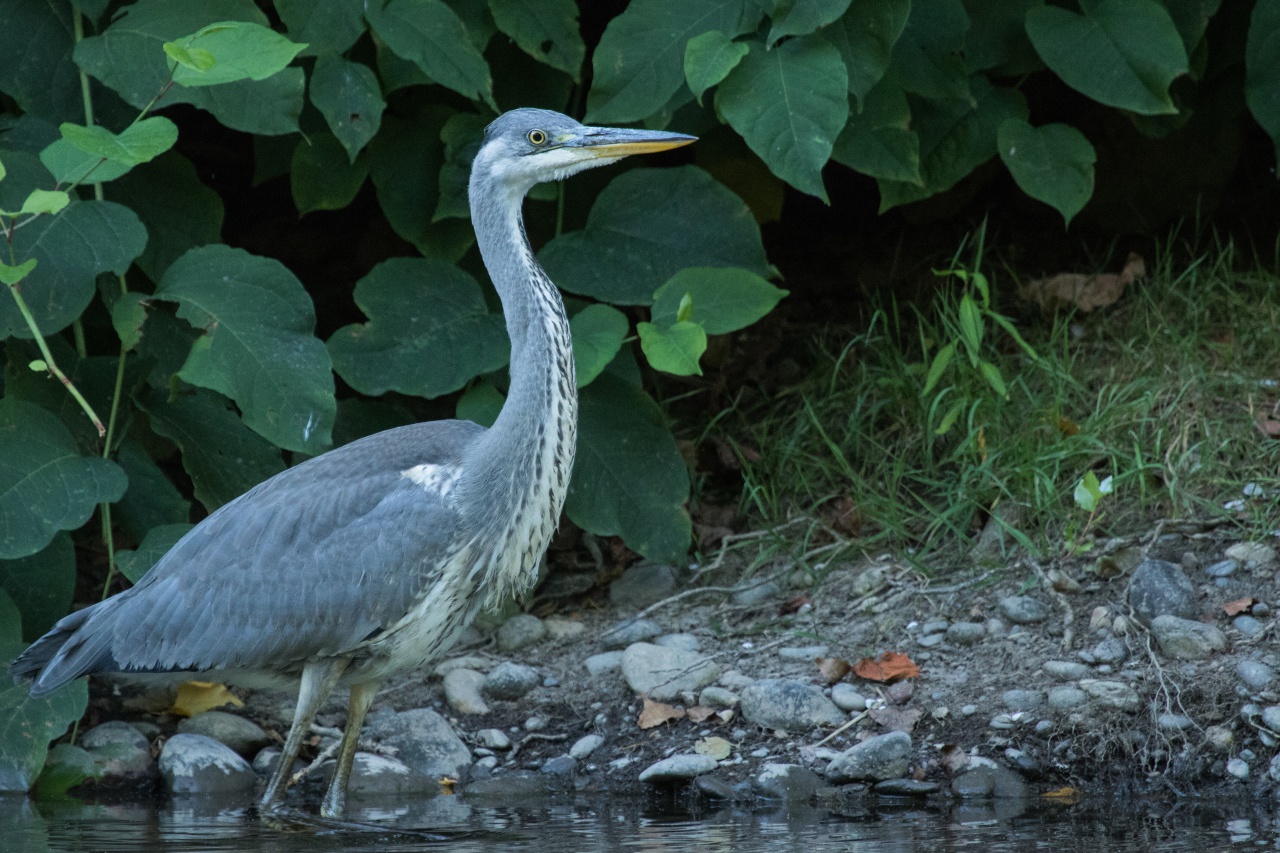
pixel 71 649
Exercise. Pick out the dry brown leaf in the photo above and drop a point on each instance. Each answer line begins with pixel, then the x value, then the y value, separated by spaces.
pixel 1068 427
pixel 833 669
pixel 1240 605
pixel 897 719
pixel 656 713
pixel 1084 292
pixel 844 515
pixel 889 667
pixel 701 713
pixel 196 697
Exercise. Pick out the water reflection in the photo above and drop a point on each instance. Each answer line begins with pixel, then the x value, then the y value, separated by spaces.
pixel 606 826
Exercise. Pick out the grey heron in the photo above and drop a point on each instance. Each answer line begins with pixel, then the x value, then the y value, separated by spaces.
pixel 370 559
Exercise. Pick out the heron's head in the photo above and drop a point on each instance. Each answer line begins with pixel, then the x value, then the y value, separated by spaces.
pixel 527 146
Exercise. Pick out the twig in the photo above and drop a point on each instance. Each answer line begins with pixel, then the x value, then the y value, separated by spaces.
pixel 843 727
pixel 533 736
pixel 325 754
pixel 955 587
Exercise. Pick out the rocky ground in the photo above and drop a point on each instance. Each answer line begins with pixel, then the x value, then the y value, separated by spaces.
pixel 1145 664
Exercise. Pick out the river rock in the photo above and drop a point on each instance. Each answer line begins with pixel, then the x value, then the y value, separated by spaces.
pixel 243 736
pixel 788 705
pixel 1023 609
pixel 1065 670
pixel 598 665
pixel 880 757
pixel 677 768
pixel 462 691
pixel 1186 639
pixel 630 631
pixel 493 739
pixel 1112 694
pixel 520 631
pixel 1160 588
pixel 380 775
pixel 1255 674
pixel 684 642
pixel 847 697
pixel 562 765
pixel 966 633
pixel 1248 625
pixel 1254 555
pixel 1271 717
pixel 1111 650
pixel 1066 698
pixel 905 788
pixel 643 584
pixel 198 764
pixel 1023 700
pixel 425 742
pixel 120 753
pixel 585 745
pixel 664 673
pixel 718 697
pixel 560 628
pixel 983 782
pixel 788 782
pixel 511 680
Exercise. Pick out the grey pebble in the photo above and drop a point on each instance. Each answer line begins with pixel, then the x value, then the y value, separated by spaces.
pixel 754 592
pixel 1113 694
pixel 630 631
pixel 983 782
pixel 879 757
pixel 1002 722
pixel 561 765
pixel 1022 700
pixel 1111 651
pixel 788 705
pixel 1238 768
pixel 643 584
pixel 119 751
pixel 510 680
pixel 585 745
pixel 937 626
pixel 521 630
pixel 462 691
pixel 1174 722
pixel 847 698
pixel 381 775
pixel 665 673
pixel 1221 569
pixel 931 640
pixel 684 642
pixel 1160 588
pixel 493 739
pixel 1248 625
pixel 423 740
pixel 966 633
pixel 787 782
pixel 1186 639
pixel 535 724
pixel 1065 670
pixel 968 710
pixel 677 768
pixel 198 764
pixel 1255 675
pixel 1067 698
pixel 718 697
pixel 905 788
pixel 1271 717
pixel 244 737
pixel 602 663
pixel 1023 609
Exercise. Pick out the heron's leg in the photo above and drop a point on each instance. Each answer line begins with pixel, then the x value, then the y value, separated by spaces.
pixel 335 798
pixel 318 680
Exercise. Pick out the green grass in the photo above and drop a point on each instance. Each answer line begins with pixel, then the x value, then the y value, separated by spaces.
pixel 1160 391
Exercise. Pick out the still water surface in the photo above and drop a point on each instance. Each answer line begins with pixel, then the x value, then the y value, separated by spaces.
pixel 630 827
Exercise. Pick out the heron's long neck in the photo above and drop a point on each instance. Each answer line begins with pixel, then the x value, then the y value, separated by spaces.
pixel 525 459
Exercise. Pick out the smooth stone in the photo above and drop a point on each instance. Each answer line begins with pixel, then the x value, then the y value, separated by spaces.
pixel 1174 722
pixel 1113 694
pixel 425 742
pixel 381 775
pixel 735 680
pixel 684 642
pixel 935 626
pixel 511 681
pixel 847 698
pixel 1248 625
pixel 756 593
pixel 598 665
pixel 198 764
pixel 1002 722
pixel 788 705
pixel 1256 675
pixel 984 782
pixel 1271 717
pixel 493 739
pixel 520 631
pixel 663 673
pixel 1067 698
pixel 1186 639
pixel 1160 588
pixel 630 631
pixel 535 724
pixel 1273 769
pixel 677 768
pixel 1022 700
pixel 479 664
pixel 244 737
pixel 521 785
pixel 1023 763
pixel 1111 651
pixel 877 758
pixel 804 653
pixel 561 765
pixel 788 782
pixel 1065 670
pixel 714 789
pixel 120 752
pixel 906 788
pixel 1023 609
pixel 1252 554
pixel 1222 569
pixel 462 691
pixel 966 633
pixel 560 628
pixel 931 640
pixel 1238 768
pixel 1044 727
pixel 718 697
pixel 643 584
pixel 1219 738
pixel 968 710
pixel 585 745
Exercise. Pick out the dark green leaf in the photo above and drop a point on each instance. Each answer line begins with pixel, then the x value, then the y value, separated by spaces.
pixel 136 144
pixel 480 403
pixel 36 41
pixel 865 36
pixel 70 165
pixel 461 135
pixel 133 564
pixel 721 300
pixel 65 767
pixel 879 141
pixel 45 484
pixel 127 316
pixel 1098 54
pixel 789 104
pixel 41 585
pixel 347 95
pixel 629 479
pixel 230 51
pixel 129 57
pixel 259 346
pixel 673 349
pixel 325 26
pixel 151 499
pixel 321 177
pixel 598 331
pixel 998 39
pixel 420 312
pixel 639 63
pixel 430 34
pixel 1053 163
pixel 223 456
pixel 647 225
pixel 1191 17
pixel 1262 68
pixel 928 56
pixel 801 17
pixel 87 238
pixel 358 417
pixel 547 30
pixel 179 211
pixel 708 59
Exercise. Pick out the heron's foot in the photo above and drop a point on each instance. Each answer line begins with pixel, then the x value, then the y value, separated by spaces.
pixel 334 804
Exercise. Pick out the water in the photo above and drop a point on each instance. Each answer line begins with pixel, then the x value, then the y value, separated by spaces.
pixel 611 826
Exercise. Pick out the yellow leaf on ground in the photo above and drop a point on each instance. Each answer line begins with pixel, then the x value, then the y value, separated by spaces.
pixel 656 713
pixel 713 747
pixel 196 697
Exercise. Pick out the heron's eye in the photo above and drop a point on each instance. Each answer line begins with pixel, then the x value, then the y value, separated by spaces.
pixel 537 137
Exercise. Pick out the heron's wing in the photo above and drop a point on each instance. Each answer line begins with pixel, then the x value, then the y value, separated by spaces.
pixel 310 562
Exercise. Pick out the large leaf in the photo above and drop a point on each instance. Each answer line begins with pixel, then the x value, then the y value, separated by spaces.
pixel 708 59
pixel 320 175
pixel 720 300
pixel 429 331
pixel 598 332
pixel 547 30
pixel 178 210
pixel 36 41
pixel 27 725
pixel 133 564
pixel 789 104
pixel 998 39
pixel 647 225
pixel 639 63
pixel 629 479
pixel 673 349
pixel 129 57
pixel 138 143
pixel 70 250
pixel 461 135
pixel 229 51
pixel 801 17
pixel 325 26
pixel 928 56
pixel 879 141
pixel 45 484
pixel 41 585
pixel 1262 68
pixel 1053 163
pixel 432 36
pixel 347 95
pixel 1123 53
pixel 223 456
pixel 865 36
pixel 259 346
pixel 69 165
pixel 152 499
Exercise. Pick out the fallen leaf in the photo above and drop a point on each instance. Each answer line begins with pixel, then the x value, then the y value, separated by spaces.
pixel 954 758
pixel 1068 427
pixel 196 697
pixel 833 669
pixel 1270 427
pixel 1240 605
pixel 446 785
pixel 1084 292
pixel 713 747
pixel 701 713
pixel 844 515
pixel 897 719
pixel 889 667
pixel 656 713
pixel 1066 795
